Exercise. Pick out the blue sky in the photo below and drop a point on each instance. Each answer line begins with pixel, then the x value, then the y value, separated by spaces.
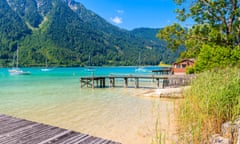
pixel 130 14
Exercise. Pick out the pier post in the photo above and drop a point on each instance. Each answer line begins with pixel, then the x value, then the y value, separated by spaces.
pixel 81 82
pixel 165 83
pixel 112 82
pixel 97 82
pixel 125 82
pixel 153 78
pixel 157 82
pixel 104 82
pixel 101 83
pixel 92 82
pixel 161 81
pixel 88 82
pixel 136 82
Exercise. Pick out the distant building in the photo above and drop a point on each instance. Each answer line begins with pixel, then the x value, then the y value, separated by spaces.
pixel 163 71
pixel 179 68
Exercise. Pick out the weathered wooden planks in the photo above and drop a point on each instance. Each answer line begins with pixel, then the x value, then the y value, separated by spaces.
pixel 18 131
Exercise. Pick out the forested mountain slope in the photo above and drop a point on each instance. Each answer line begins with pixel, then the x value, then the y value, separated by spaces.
pixel 66 33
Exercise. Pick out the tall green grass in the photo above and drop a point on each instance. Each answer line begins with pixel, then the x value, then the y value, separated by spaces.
pixel 214 98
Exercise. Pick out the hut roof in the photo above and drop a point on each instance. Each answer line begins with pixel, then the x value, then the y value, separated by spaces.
pixel 190 59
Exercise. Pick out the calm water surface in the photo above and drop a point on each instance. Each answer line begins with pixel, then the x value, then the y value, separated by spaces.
pixel 55 98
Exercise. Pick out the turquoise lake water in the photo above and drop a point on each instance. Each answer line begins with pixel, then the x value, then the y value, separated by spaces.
pixel 55 98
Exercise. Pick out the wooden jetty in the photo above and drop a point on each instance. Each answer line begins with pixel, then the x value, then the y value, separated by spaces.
pixel 19 131
pixel 161 81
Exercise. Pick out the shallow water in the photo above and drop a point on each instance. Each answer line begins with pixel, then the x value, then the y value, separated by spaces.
pixel 56 98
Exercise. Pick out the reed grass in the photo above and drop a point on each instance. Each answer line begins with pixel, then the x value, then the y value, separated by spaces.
pixel 160 136
pixel 214 98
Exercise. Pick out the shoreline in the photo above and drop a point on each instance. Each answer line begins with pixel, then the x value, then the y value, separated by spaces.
pixel 167 127
pixel 172 93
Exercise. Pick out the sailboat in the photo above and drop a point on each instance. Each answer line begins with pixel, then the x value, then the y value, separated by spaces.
pixel 140 68
pixel 89 64
pixel 90 68
pixel 16 70
pixel 46 66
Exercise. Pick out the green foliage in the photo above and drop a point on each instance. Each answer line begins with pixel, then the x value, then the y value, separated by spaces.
pixel 216 56
pixel 27 10
pixel 221 15
pixel 66 37
pixel 190 70
pixel 150 36
pixel 174 35
pixel 212 100
pixel 12 29
pixel 214 39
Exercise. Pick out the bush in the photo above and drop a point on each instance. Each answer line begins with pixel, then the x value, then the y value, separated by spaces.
pixel 190 70
pixel 214 98
pixel 216 56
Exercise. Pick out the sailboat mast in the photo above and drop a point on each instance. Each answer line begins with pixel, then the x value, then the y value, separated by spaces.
pixel 17 58
pixel 139 59
pixel 13 60
pixel 89 60
pixel 46 63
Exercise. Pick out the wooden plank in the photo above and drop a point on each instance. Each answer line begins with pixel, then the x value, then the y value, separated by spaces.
pixel 74 137
pixel 12 125
pixel 44 135
pixel 55 137
pixel 20 131
pixel 30 135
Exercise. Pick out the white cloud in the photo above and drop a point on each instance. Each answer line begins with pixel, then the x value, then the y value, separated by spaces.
pixel 116 20
pixel 120 11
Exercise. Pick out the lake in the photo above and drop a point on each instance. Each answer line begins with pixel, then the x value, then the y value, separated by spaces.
pixel 55 98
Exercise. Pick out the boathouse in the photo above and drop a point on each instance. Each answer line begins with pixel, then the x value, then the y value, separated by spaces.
pixel 163 71
pixel 179 68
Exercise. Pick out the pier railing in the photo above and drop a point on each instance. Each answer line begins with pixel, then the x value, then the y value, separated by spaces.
pixel 160 81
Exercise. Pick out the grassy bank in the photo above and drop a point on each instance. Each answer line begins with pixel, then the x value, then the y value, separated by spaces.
pixel 213 99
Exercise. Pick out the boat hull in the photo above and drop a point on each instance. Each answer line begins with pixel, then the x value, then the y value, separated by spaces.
pixel 18 72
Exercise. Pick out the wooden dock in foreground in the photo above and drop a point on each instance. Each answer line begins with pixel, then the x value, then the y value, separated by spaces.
pixel 19 131
pixel 161 81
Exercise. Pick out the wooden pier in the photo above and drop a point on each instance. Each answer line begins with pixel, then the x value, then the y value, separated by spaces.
pixel 19 131
pixel 161 81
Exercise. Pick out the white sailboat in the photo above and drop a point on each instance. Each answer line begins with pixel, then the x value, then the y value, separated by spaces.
pixel 16 70
pixel 46 69
pixel 89 69
pixel 140 68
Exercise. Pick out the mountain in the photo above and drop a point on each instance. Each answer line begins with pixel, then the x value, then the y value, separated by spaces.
pixel 65 33
pixel 149 34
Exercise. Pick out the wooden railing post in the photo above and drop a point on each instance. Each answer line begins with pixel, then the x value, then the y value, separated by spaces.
pixel 104 82
pixel 112 82
pixel 157 79
pixel 92 82
pixel 125 82
pixel 136 82
pixel 81 82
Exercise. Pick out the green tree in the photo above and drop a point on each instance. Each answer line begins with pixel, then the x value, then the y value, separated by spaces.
pixel 221 16
pixel 217 24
